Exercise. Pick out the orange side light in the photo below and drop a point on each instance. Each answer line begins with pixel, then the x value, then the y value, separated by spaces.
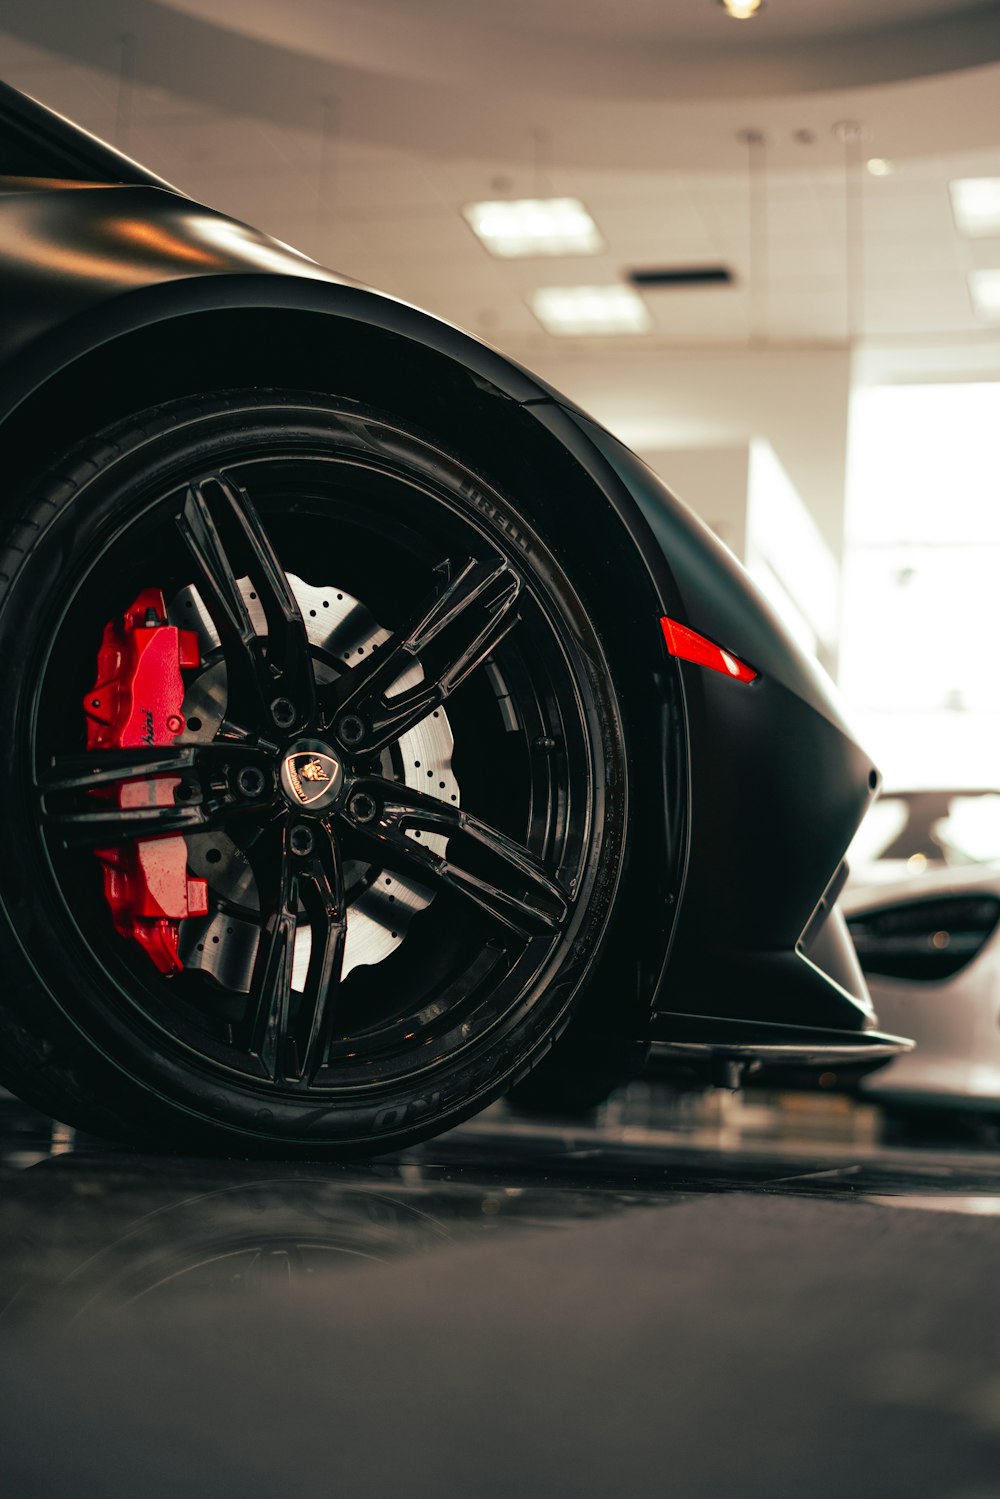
pixel 688 645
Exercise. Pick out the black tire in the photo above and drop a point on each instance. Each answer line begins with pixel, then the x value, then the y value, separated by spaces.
pixel 349 498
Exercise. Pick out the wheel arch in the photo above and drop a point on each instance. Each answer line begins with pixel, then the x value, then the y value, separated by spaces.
pixel 183 338
pixel 143 349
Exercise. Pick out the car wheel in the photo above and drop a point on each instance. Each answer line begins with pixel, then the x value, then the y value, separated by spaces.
pixel 316 780
pixel 913 1125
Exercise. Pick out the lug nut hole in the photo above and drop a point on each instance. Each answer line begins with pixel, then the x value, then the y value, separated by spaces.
pixel 363 808
pixel 301 841
pixel 351 729
pixel 250 781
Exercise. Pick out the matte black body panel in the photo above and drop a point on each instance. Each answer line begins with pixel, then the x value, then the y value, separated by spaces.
pixel 716 594
pixel 778 788
pixel 776 784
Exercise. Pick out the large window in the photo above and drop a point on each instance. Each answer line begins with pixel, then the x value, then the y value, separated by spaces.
pixel 920 646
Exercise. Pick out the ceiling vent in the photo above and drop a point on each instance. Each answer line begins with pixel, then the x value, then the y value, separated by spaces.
pixel 688 275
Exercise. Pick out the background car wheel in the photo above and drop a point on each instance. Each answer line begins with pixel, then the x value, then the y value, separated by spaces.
pixel 916 1126
pixel 317 778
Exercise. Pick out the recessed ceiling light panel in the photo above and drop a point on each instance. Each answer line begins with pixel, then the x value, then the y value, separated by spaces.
pixel 575 311
pixel 976 205
pixel 534 226
pixel 985 289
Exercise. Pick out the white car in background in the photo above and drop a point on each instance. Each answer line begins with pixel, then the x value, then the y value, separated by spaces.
pixel 913 833
pixel 923 906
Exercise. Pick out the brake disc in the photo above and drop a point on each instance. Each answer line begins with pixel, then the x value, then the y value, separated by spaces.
pixel 381 905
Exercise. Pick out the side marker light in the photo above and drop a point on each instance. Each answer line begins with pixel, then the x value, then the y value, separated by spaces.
pixel 688 645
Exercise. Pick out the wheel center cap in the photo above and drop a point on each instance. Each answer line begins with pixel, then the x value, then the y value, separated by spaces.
pixel 311 776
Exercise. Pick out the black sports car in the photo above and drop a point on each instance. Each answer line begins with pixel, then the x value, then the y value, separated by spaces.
pixel 378 728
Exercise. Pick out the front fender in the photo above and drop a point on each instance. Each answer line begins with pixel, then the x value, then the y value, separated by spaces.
pixel 778 787
pixel 82 265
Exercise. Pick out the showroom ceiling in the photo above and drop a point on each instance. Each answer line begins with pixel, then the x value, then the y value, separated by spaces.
pixel 360 131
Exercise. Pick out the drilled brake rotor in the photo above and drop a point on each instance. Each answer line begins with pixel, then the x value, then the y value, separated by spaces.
pixel 381 905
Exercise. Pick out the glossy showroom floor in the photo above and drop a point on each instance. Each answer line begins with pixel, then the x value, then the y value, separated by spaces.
pixel 729 1298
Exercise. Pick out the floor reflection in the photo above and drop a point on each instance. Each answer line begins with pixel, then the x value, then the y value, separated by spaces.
pixel 96 1234
pixel 734 1297
pixel 91 1231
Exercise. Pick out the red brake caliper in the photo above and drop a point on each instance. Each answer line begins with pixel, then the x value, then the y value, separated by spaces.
pixel 138 700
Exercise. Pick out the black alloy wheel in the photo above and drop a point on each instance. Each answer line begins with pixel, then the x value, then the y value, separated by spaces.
pixel 401 774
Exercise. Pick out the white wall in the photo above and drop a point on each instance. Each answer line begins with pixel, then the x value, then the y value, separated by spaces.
pixel 746 496
pixel 715 483
pixel 688 398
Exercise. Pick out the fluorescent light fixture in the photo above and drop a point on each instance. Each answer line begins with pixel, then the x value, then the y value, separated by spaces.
pixel 742 10
pixel 534 226
pixel 985 289
pixel 570 311
pixel 976 205
pixel 878 166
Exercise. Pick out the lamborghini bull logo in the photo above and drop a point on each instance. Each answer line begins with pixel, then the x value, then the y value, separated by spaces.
pixel 310 775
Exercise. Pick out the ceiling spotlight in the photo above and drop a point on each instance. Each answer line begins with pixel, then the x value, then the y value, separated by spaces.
pixel 742 10
pixel 878 166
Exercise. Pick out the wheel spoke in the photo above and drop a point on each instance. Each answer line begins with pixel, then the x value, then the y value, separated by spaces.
pixel 259 669
pixel 518 890
pixel 187 788
pixel 321 890
pixel 271 990
pixel 291 1028
pixel 449 636
pixel 102 767
pixel 122 824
